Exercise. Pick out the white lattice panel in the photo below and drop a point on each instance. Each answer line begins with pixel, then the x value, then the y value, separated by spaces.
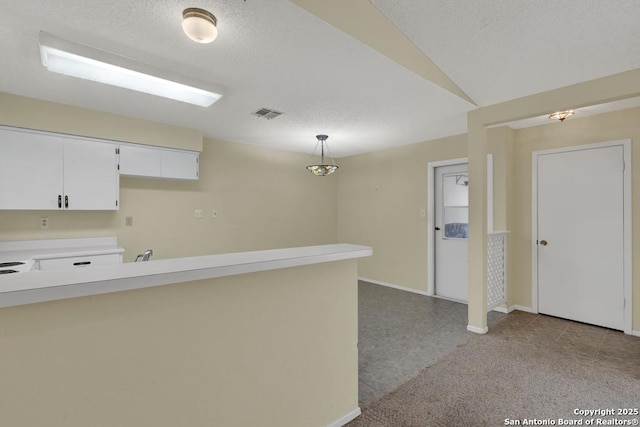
pixel 496 270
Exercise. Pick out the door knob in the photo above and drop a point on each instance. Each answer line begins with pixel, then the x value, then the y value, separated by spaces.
pixel 544 242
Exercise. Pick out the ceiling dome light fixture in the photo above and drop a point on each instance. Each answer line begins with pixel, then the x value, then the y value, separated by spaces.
pixel 199 25
pixel 561 115
pixel 323 169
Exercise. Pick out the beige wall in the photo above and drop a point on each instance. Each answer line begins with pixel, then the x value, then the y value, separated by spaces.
pixel 373 200
pixel 500 144
pixel 605 127
pixel 276 348
pixel 265 198
pixel 32 113
pixel 380 195
pixel 593 92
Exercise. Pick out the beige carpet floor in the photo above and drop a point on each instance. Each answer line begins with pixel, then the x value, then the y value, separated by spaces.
pixel 527 367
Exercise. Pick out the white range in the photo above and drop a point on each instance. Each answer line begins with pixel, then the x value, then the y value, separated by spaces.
pixel 56 254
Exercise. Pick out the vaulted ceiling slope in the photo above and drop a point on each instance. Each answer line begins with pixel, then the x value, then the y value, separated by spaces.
pixel 325 68
pixel 498 50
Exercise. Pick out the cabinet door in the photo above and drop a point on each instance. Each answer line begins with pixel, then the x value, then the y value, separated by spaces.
pixel 90 175
pixel 31 170
pixel 140 161
pixel 179 164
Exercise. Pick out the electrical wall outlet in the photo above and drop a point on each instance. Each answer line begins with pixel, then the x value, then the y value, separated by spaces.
pixel 128 221
pixel 44 222
pixel 198 213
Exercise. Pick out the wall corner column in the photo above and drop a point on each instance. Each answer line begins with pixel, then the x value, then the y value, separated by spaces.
pixel 477 147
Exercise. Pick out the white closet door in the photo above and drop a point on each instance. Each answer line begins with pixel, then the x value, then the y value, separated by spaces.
pixel 580 235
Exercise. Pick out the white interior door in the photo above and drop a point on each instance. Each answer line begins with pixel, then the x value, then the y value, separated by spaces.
pixel 580 235
pixel 451 232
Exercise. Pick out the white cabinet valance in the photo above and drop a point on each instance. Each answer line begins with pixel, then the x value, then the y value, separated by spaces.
pixel 152 162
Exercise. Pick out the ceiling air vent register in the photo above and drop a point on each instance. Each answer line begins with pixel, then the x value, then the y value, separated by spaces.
pixel 267 113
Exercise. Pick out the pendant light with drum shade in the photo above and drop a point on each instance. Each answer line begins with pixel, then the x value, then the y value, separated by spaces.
pixel 322 169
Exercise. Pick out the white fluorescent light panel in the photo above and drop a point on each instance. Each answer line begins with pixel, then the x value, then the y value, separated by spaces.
pixel 64 57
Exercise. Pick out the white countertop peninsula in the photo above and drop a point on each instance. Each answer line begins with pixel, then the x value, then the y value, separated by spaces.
pixel 276 328
pixel 39 286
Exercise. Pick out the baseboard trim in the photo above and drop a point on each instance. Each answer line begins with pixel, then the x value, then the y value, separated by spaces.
pixel 521 308
pixel 530 310
pixel 390 285
pixel 477 330
pixel 450 299
pixel 346 418
pixel 470 328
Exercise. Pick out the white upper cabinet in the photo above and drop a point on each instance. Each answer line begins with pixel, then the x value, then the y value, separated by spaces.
pixel 140 161
pixel 31 170
pixel 90 175
pixel 153 162
pixel 179 164
pixel 49 171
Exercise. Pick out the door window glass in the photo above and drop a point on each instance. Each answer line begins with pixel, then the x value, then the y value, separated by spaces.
pixel 456 205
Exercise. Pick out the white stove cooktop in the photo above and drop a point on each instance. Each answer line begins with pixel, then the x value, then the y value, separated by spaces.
pixel 15 267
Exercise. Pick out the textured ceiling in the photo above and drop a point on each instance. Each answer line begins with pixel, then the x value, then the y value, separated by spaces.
pixel 275 54
pixel 269 53
pixel 497 50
